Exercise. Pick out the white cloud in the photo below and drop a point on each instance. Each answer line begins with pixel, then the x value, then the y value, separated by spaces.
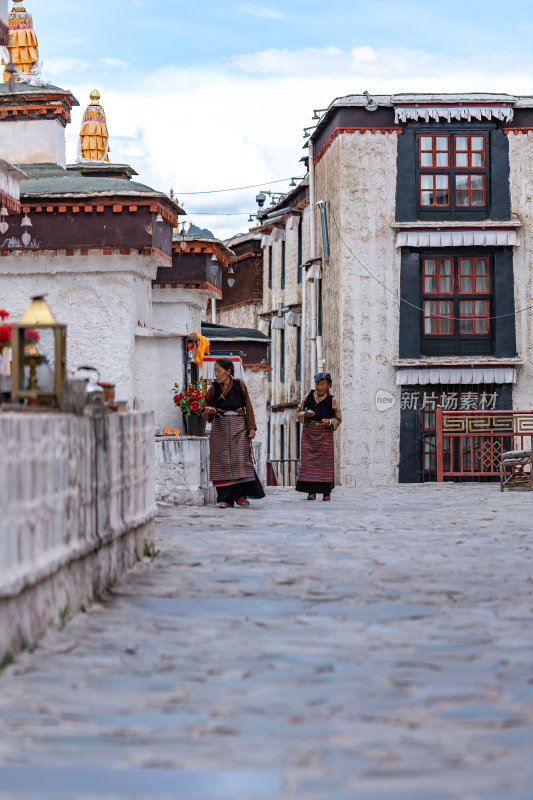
pixel 63 66
pixel 115 62
pixel 264 12
pixel 241 123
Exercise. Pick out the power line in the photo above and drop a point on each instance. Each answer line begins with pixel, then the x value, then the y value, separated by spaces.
pixel 217 213
pixel 239 188
pixel 402 299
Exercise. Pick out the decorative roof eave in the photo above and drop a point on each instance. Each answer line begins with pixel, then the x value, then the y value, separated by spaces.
pixel 93 201
pixel 211 292
pixel 37 103
pixel 449 113
pixel 153 253
pixel 207 246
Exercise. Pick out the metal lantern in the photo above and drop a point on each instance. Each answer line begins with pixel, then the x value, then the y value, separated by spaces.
pixel 39 355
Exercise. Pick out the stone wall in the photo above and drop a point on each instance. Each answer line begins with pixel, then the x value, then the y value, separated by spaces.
pixel 78 503
pixel 521 163
pixel 182 470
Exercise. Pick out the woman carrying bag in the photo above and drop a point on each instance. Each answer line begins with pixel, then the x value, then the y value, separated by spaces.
pixel 229 409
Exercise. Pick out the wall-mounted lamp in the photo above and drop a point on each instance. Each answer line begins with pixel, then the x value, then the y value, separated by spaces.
pixel 370 104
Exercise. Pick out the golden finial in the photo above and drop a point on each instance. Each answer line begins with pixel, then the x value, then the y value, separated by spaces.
pixel 95 97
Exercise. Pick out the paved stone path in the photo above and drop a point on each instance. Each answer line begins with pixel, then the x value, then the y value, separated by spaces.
pixel 376 647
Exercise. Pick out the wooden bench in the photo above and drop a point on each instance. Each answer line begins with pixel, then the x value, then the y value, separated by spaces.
pixel 516 470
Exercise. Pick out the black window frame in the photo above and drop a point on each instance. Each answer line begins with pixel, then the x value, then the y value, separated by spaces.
pixel 282 355
pixel 453 211
pixel 300 250
pixel 456 344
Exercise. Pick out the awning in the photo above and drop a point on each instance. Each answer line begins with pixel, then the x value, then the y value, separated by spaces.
pixel 427 113
pixel 411 376
pixel 293 222
pixel 278 234
pixel 457 238
pixel 314 272
pixel 208 369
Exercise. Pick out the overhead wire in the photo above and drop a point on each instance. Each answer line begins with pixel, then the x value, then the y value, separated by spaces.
pixel 407 302
pixel 239 188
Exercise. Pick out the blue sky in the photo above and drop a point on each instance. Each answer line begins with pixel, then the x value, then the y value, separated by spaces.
pixel 215 93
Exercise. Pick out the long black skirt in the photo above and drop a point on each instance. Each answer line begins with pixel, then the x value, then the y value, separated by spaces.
pixel 249 489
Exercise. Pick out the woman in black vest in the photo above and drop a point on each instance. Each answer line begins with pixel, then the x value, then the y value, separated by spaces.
pixel 320 416
pixel 229 409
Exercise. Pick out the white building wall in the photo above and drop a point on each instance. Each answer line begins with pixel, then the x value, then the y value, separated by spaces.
pixel 33 142
pixel 357 176
pixel 521 164
pixel 100 298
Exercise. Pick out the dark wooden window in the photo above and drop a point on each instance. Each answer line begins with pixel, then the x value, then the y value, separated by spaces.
pixel 282 356
pixel 457 303
pixel 452 172
pixel 300 251
pixel 270 267
pixel 298 354
pixel 283 265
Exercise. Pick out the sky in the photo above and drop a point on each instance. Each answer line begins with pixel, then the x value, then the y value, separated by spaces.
pixel 215 94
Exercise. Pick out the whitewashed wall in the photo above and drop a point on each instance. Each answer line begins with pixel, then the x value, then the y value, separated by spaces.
pixel 78 502
pixel 521 163
pixel 100 298
pixel 357 176
pixel 33 142
pixel 182 470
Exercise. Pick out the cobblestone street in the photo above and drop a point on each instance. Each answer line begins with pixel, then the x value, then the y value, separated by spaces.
pixel 379 646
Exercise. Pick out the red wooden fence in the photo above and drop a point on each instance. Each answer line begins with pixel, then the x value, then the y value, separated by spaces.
pixel 470 443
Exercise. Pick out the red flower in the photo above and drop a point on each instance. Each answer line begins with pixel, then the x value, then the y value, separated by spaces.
pixel 4 314
pixel 196 406
pixel 5 335
pixel 33 336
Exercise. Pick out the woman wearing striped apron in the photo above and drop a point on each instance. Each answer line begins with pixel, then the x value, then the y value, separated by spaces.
pixel 229 409
pixel 320 416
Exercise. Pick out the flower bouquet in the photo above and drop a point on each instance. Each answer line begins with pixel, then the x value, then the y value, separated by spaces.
pixel 191 402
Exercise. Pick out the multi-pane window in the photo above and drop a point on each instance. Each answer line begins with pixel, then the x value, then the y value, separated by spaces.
pixel 456 296
pixel 452 171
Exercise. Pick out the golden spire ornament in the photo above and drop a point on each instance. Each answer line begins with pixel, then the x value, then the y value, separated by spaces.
pixel 23 47
pixel 94 137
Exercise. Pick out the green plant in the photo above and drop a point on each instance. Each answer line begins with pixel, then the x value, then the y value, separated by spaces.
pixel 64 616
pixel 6 661
pixel 150 550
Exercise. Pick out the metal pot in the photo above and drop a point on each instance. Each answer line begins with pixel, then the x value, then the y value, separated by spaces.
pixel 95 393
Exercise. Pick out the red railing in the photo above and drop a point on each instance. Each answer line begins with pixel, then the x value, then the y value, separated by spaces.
pixel 470 443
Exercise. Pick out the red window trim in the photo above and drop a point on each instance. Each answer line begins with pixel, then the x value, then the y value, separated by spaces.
pixel 438 316
pixel 468 191
pixel 469 151
pixel 474 276
pixel 473 316
pixel 434 151
pixel 438 276
pixel 434 190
